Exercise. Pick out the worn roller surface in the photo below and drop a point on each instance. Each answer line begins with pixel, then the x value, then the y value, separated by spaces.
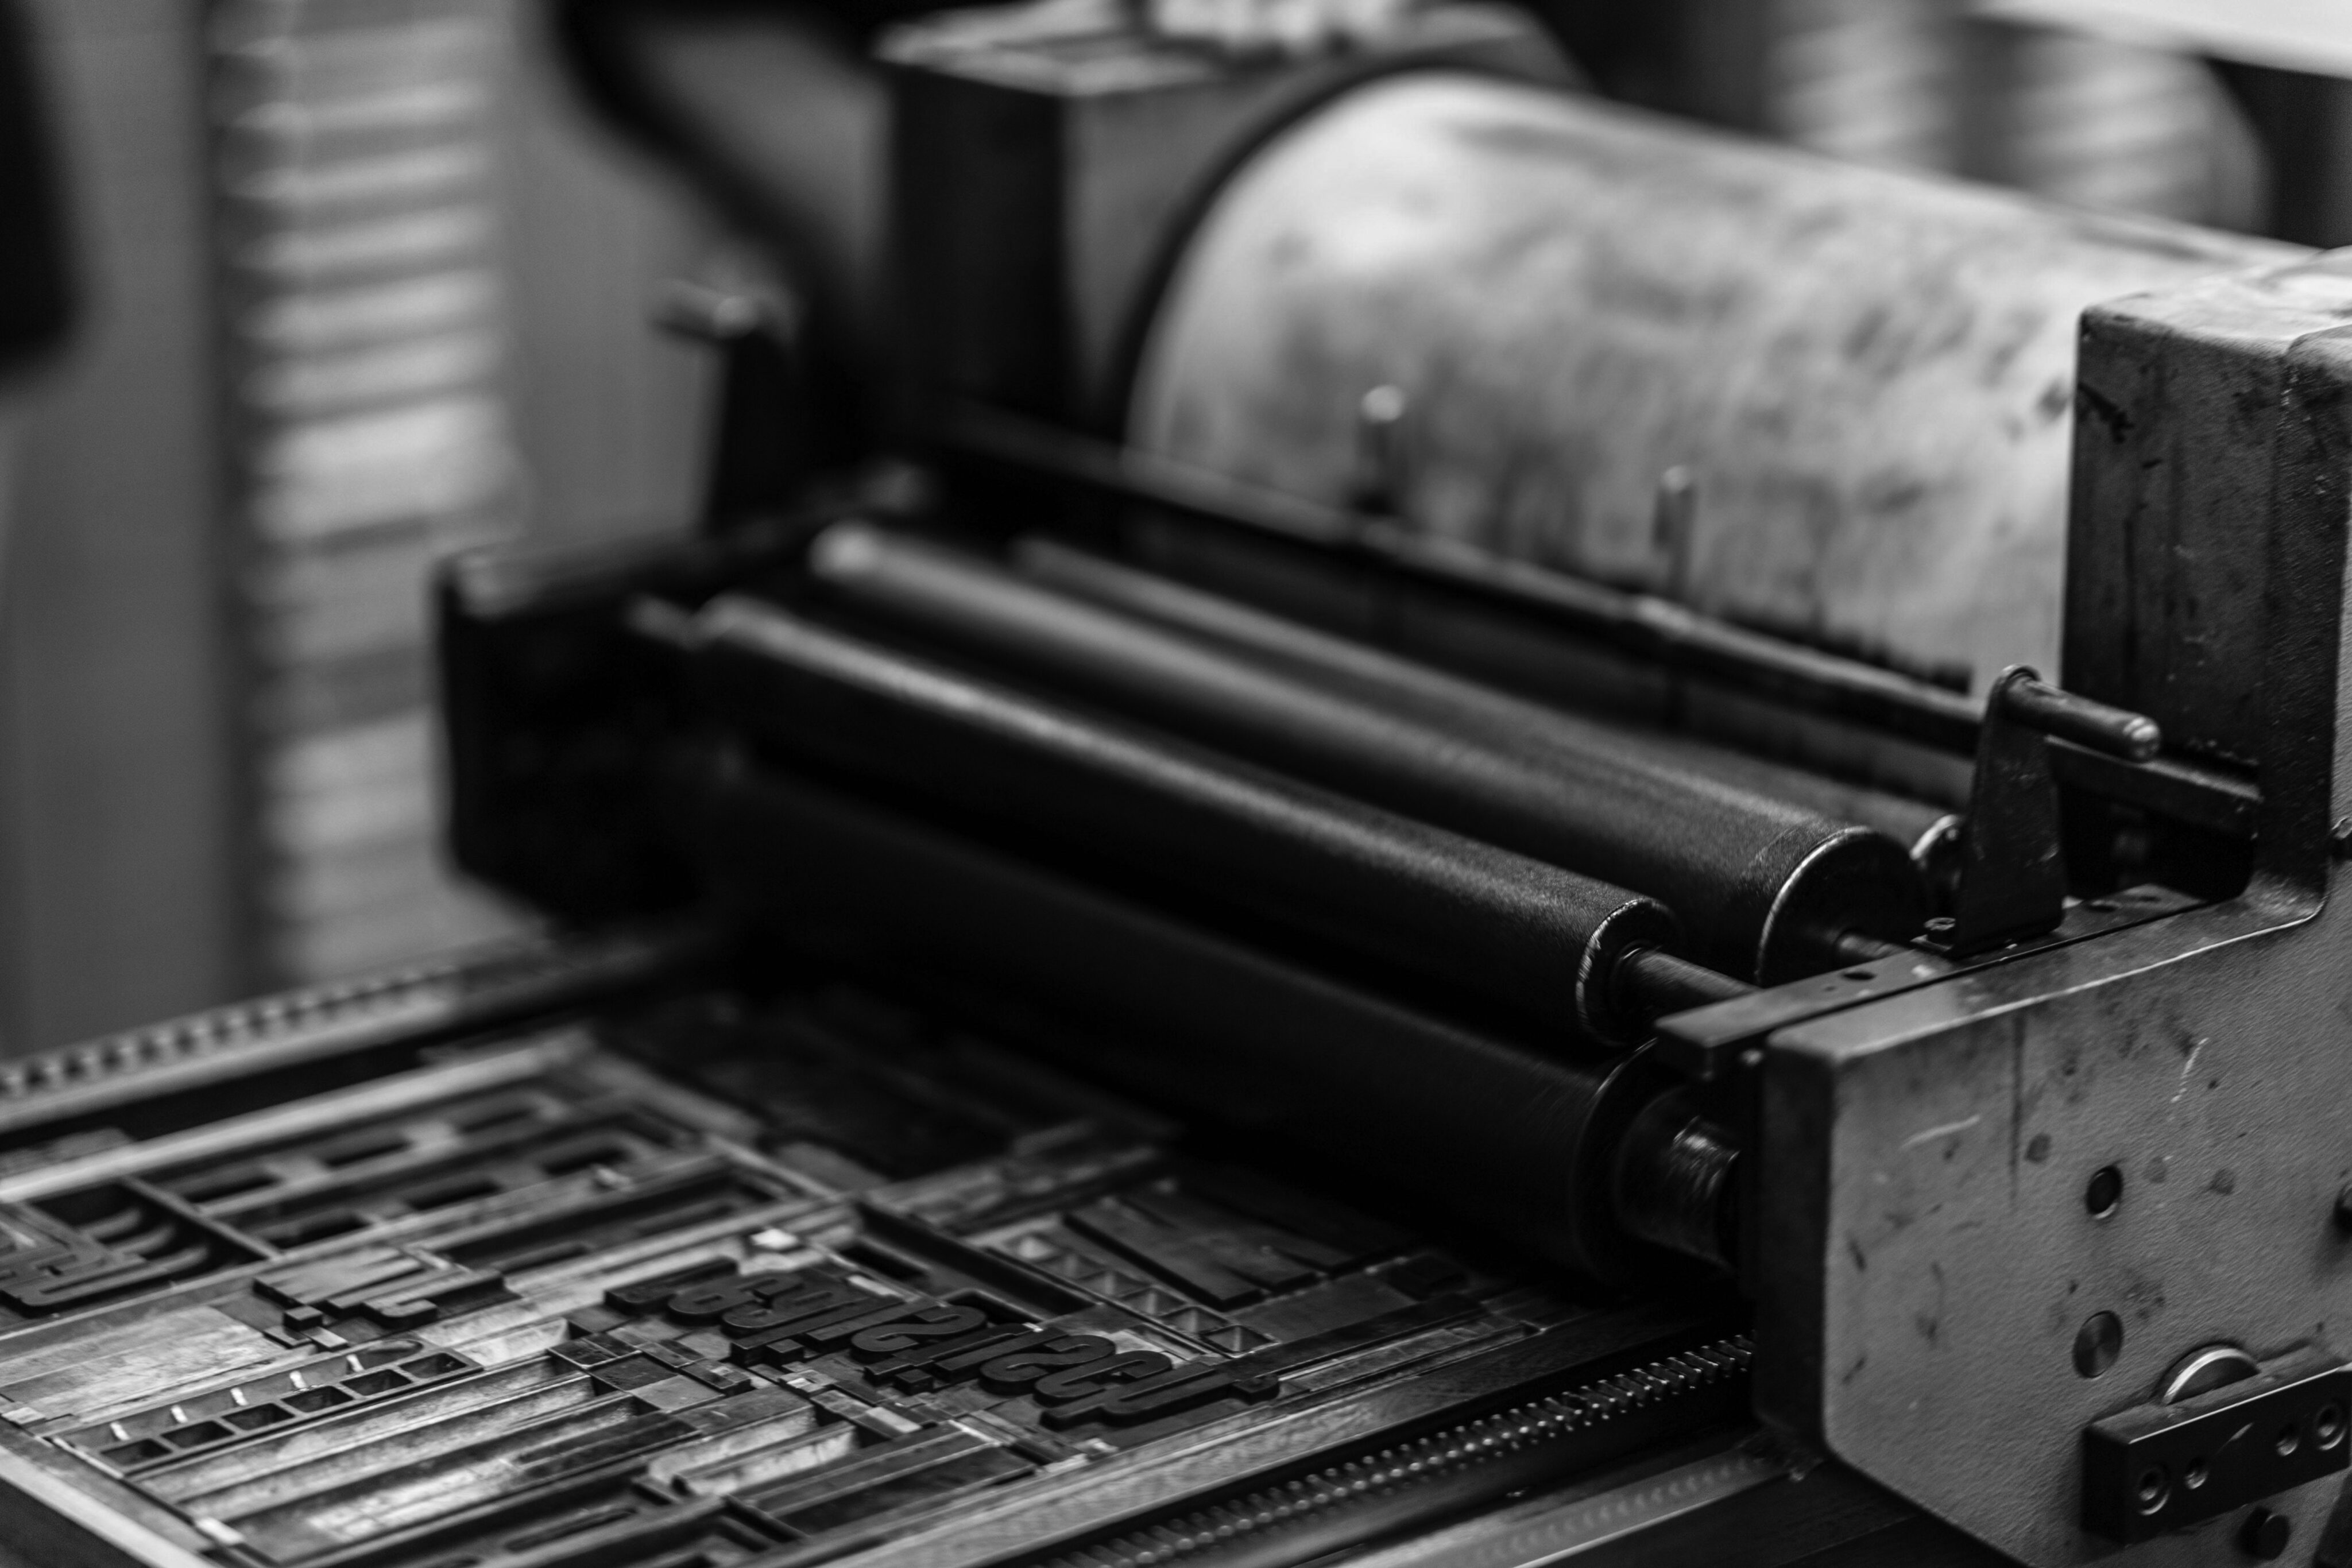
pixel 1542 941
pixel 1464 706
pixel 1871 374
pixel 1764 889
pixel 1517 1143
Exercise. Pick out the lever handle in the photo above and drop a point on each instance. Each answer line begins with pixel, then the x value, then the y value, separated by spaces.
pixel 2037 705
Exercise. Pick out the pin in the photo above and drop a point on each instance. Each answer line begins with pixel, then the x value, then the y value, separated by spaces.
pixel 1673 521
pixel 1381 468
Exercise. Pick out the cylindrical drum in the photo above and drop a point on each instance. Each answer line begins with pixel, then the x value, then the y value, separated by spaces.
pixel 1520 1146
pixel 1543 942
pixel 1765 889
pixel 1465 707
pixel 1871 374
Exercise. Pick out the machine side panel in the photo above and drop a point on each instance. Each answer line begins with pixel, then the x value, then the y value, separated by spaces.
pixel 1938 1323
pixel 2205 547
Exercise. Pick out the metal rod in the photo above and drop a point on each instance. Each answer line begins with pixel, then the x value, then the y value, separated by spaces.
pixel 1656 985
pixel 1450 701
pixel 2134 737
pixel 1539 941
pixel 1765 889
pixel 1516 1145
pixel 1636 624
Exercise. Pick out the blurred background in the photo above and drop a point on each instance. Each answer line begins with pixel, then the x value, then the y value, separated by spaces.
pixel 362 285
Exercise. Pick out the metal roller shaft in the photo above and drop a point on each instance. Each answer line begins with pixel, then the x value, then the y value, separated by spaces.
pixel 1433 696
pixel 1546 943
pixel 1527 1148
pixel 1766 891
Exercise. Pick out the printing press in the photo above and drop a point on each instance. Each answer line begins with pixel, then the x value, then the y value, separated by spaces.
pixel 1519 834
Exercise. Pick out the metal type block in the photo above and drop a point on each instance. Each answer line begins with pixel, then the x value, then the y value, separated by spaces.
pixel 1491 1130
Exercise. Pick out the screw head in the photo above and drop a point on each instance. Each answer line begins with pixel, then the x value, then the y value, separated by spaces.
pixel 2264 1534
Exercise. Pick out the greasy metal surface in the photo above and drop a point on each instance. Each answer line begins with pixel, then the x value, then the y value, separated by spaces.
pixel 1871 375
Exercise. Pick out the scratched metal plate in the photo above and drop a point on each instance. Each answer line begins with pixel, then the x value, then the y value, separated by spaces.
pixel 1921 1320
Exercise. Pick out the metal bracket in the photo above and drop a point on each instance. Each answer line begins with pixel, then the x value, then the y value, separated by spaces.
pixel 1706 1043
pixel 2013 883
pixel 776 428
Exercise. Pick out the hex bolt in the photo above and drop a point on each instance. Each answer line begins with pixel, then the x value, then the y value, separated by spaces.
pixel 2264 1534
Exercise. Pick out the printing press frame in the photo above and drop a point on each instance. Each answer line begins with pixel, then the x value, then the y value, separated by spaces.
pixel 2037 1222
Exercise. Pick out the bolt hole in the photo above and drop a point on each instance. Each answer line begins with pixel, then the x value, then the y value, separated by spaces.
pixel 2153 1490
pixel 2327 1427
pixel 2194 1476
pixel 2099 1342
pixel 2104 906
pixel 2105 1194
pixel 1860 974
pixel 2289 1440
